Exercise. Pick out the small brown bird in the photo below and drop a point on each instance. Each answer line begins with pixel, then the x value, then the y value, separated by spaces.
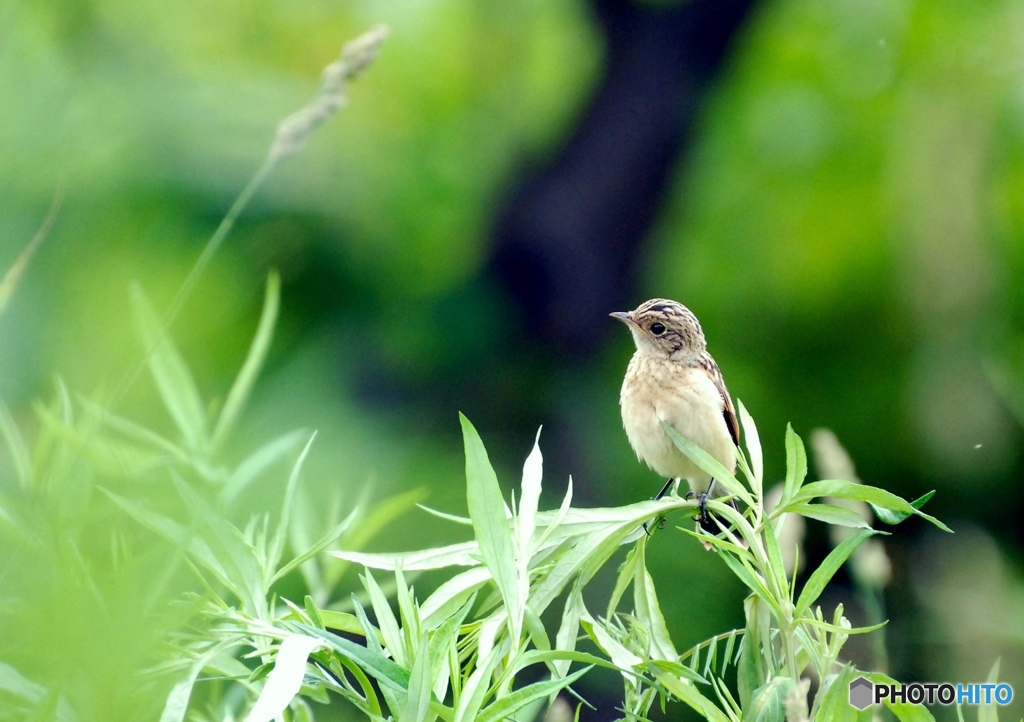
pixel 672 378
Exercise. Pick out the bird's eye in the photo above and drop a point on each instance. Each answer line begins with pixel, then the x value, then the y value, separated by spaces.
pixel 657 329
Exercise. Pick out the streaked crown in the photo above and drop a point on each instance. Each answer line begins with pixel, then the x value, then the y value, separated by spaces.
pixel 665 327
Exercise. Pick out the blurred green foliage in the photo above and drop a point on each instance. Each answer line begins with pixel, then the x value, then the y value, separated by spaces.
pixel 846 224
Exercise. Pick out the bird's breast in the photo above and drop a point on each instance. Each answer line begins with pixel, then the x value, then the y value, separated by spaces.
pixel 657 390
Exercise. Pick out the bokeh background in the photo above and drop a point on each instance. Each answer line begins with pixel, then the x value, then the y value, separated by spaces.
pixel 836 189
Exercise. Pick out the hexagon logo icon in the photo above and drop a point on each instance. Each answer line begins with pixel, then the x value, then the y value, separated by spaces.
pixel 861 693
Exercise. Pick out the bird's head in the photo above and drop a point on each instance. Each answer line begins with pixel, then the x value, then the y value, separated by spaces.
pixel 665 329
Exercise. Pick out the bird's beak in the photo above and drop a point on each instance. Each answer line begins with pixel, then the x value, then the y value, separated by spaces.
pixel 624 316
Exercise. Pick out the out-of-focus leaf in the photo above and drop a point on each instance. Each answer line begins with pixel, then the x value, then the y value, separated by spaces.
pixel 14 683
pixel 135 432
pixel 821 576
pixel 325 541
pixel 173 379
pixel 277 546
pixel 285 680
pixel 13 276
pixel 796 464
pixel 178 535
pixel 16 445
pixel 768 703
pixel 491 527
pixel 257 462
pixel 246 378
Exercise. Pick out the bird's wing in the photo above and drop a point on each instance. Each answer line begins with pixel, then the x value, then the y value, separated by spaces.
pixel 709 366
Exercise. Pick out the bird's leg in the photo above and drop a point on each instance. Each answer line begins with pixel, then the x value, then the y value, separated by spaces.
pixel 665 488
pixel 659 495
pixel 702 505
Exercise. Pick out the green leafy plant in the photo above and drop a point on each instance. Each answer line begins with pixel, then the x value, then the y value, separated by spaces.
pixel 456 655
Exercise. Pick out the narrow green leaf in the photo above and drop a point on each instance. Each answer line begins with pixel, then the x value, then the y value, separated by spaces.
pixel 464 520
pixel 386 620
pixel 417 705
pixel 777 566
pixel 829 514
pixel 708 464
pixel 407 612
pixel 467 707
pixel 686 692
pixel 568 631
pixel 796 464
pixel 823 574
pixel 451 595
pixel 833 699
pixel 648 611
pixel 173 379
pixel 751 672
pixel 615 650
pixel 849 490
pixel 768 703
pixel 746 574
pixel 373 663
pixel 812 622
pixel 491 527
pixel 508 705
pixel 888 516
pixel 246 378
pixel 753 444
pixel 627 572
pixel 277 547
pixel 312 612
pixel 341 621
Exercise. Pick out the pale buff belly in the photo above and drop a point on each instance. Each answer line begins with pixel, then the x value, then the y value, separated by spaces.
pixel 688 400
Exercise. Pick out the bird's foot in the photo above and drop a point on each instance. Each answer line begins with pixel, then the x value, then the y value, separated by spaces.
pixel 703 517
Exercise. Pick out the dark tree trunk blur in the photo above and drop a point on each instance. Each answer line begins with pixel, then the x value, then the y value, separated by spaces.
pixel 566 244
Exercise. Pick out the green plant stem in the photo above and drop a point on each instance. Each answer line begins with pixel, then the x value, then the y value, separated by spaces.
pixel 217 239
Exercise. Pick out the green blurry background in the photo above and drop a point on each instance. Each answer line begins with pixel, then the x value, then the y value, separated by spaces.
pixel 836 189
